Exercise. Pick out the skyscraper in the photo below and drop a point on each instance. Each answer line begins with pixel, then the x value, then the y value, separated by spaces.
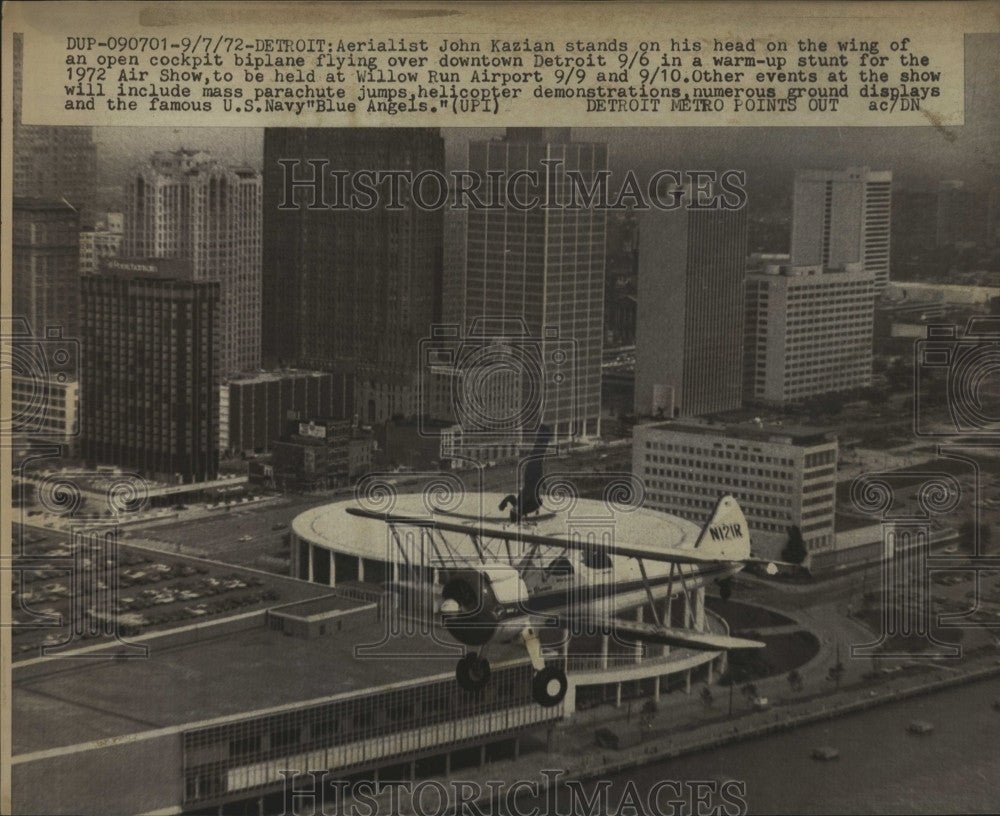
pixel 453 270
pixel 45 279
pixel 351 290
pixel 184 204
pixel 101 242
pixel 544 266
pixel 149 396
pixel 51 161
pixel 808 332
pixel 842 217
pixel 689 321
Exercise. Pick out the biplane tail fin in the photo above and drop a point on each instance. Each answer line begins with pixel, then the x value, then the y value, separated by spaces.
pixel 726 536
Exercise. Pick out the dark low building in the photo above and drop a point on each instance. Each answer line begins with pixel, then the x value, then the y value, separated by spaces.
pixel 319 455
pixel 254 411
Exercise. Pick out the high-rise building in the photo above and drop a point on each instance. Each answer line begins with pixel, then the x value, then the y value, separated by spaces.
pixel 808 332
pixel 45 410
pixel 689 320
pixel 453 271
pixel 347 289
pixel 842 217
pixel 783 477
pixel 149 396
pixel 45 279
pixel 184 204
pixel 101 242
pixel 545 267
pixel 51 161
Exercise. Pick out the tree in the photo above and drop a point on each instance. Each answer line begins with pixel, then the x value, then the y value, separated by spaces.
pixel 794 551
pixel 836 673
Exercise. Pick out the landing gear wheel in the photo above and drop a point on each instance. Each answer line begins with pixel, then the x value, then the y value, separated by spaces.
pixel 549 686
pixel 472 672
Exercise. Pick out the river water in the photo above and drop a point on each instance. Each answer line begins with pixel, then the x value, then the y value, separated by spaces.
pixel 881 768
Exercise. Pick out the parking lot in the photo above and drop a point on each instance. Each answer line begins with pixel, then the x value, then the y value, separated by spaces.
pixel 129 592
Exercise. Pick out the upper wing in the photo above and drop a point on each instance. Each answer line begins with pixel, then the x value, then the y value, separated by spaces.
pixel 517 534
pixel 724 538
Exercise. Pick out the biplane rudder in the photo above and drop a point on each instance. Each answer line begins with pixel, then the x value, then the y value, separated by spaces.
pixel 727 535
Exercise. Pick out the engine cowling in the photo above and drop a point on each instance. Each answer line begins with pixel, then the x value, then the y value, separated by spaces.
pixel 475 602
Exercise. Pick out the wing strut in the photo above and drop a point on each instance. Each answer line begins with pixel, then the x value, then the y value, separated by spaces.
pixel 649 592
pixel 479 547
pixel 399 544
pixel 688 614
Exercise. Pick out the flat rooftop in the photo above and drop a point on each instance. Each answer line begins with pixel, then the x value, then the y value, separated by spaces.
pixel 275 376
pixel 319 606
pixel 332 527
pixel 765 432
pixel 75 700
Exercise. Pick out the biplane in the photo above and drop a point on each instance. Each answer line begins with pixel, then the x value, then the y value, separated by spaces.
pixel 515 575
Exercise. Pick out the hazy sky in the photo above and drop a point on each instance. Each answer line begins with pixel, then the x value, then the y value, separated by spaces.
pixel 918 156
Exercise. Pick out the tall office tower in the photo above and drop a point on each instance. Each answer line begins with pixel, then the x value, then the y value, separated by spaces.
pixel 184 204
pixel 545 267
pixel 347 289
pixel 689 321
pixel 149 398
pixel 51 161
pixel 45 278
pixel 453 272
pixel 808 332
pixel 842 217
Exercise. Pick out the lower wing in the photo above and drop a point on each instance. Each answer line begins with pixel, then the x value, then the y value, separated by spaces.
pixel 635 630
pixel 673 636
